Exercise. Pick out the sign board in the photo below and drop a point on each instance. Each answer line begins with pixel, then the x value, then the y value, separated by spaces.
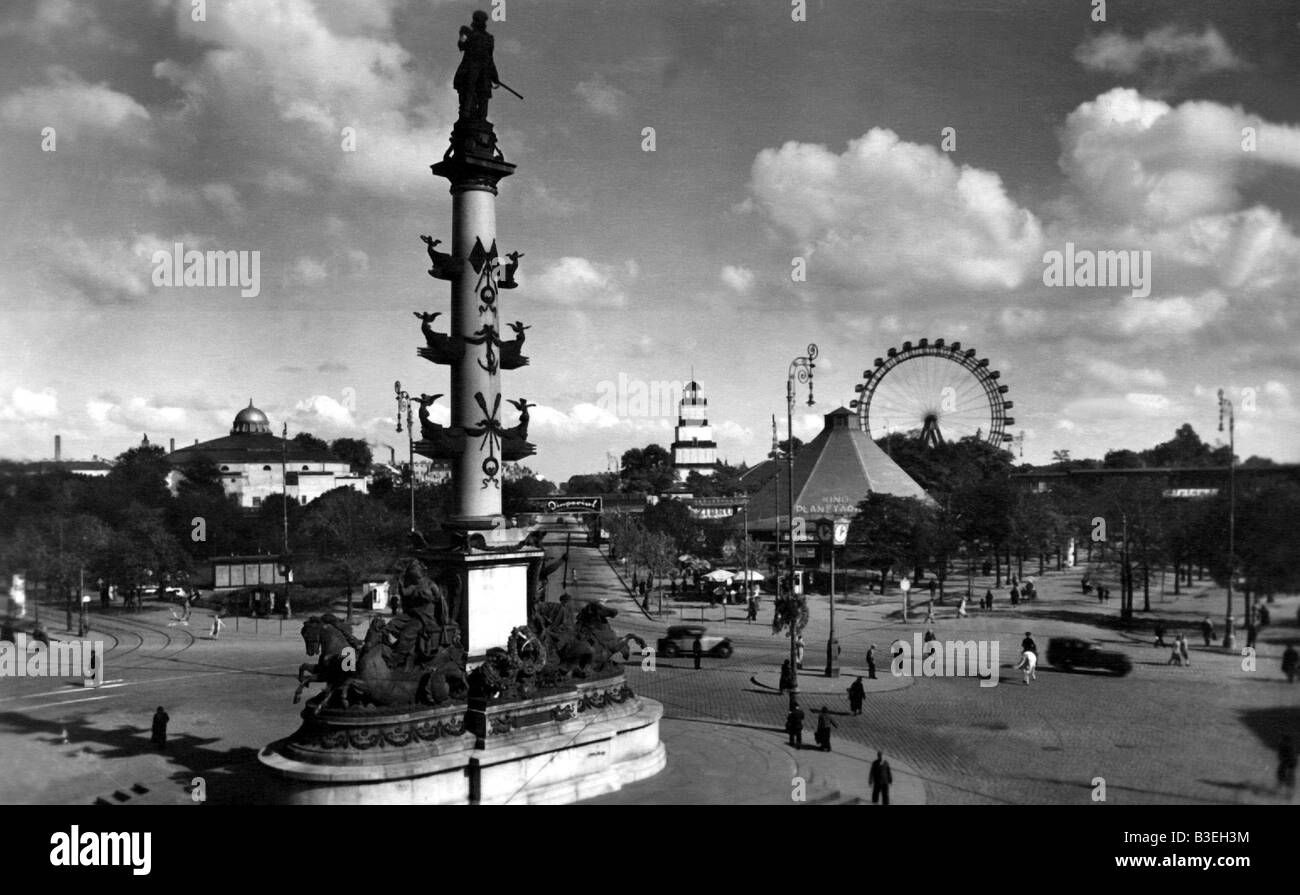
pixel 1190 492
pixel 904 584
pixel 567 504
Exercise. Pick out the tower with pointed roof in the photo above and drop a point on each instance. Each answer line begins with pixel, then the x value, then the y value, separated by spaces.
pixel 693 444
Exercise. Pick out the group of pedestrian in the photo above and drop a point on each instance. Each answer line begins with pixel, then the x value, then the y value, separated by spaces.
pixel 881 777
pixel 1180 656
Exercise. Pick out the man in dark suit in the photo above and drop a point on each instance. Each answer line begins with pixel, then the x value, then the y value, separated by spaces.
pixel 794 726
pixel 698 650
pixel 881 779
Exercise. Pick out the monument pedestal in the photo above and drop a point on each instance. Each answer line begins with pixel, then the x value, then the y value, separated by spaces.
pixel 585 740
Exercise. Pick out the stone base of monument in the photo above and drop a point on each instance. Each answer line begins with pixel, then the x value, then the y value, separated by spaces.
pixel 556 747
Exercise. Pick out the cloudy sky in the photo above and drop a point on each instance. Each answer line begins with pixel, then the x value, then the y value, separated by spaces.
pixel 1170 128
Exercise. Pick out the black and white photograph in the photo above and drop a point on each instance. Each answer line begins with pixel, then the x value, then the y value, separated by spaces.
pixel 648 403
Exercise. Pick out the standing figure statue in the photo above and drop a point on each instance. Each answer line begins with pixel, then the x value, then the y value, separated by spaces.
pixel 477 74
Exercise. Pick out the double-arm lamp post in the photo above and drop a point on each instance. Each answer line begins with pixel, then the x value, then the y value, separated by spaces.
pixel 404 406
pixel 1229 641
pixel 801 370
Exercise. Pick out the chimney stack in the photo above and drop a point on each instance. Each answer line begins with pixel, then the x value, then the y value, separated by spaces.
pixel 58 448
pixel 172 442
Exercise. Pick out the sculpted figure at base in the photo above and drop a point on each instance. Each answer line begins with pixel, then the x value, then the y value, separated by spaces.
pixel 414 659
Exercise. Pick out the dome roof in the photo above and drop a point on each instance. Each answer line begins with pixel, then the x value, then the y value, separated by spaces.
pixel 250 420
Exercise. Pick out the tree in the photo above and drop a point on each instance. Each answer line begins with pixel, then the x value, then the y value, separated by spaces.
pixel 352 532
pixel 672 518
pixel 1060 458
pixel 140 475
pixel 593 483
pixel 892 530
pixel 310 442
pixel 355 451
pixel 647 470
pixel 1122 459
pixel 658 555
pixel 521 488
pixel 1185 449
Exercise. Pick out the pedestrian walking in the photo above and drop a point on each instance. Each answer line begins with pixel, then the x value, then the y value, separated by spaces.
pixel 794 726
pixel 822 736
pixel 934 586
pixel 697 649
pixel 1183 650
pixel 787 677
pixel 1290 663
pixel 871 661
pixel 752 616
pixel 961 608
pixel 880 778
pixel 1028 662
pixel 1015 595
pixel 798 654
pixel 217 625
pixel 160 719
pixel 1286 761
pixel 1160 635
pixel 1264 617
pixel 1101 594
pixel 1207 630
pixel 857 694
pixel 988 598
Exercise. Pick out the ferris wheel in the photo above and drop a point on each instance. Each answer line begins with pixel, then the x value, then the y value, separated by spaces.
pixel 935 392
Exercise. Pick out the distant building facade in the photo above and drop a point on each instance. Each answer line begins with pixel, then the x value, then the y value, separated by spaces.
pixel 256 464
pixel 693 446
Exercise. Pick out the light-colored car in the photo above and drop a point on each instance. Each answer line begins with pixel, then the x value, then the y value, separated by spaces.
pixel 170 593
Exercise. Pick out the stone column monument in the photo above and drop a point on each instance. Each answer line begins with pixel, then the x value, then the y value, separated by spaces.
pixel 479 691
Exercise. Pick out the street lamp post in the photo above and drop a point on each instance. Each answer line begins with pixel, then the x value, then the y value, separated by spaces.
pixel 801 370
pixel 404 406
pixel 1229 641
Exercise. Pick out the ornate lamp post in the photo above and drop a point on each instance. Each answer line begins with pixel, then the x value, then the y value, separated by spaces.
pixel 1229 641
pixel 404 406
pixel 801 370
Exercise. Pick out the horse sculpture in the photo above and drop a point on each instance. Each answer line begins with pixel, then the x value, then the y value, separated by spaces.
pixel 378 683
pixel 326 637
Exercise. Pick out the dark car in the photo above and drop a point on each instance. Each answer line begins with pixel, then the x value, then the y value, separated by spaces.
pixel 1067 653
pixel 680 639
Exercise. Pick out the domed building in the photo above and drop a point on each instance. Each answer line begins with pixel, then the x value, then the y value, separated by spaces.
pixel 256 464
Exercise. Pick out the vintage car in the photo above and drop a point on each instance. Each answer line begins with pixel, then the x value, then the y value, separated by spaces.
pixel 680 640
pixel 1067 653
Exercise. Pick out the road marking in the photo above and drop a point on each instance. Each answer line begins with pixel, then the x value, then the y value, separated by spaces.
pixel 48 705
pixel 106 685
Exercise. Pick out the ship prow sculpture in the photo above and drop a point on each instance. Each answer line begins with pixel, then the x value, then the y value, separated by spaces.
pixel 479 690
